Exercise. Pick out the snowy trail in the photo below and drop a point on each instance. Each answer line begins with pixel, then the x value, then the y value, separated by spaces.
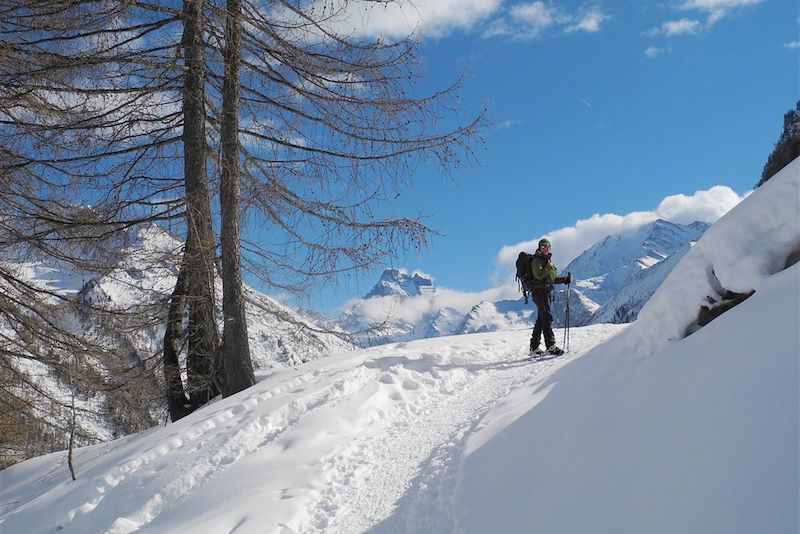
pixel 347 444
pixel 411 460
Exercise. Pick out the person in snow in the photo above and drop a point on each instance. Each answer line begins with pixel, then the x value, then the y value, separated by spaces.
pixel 544 276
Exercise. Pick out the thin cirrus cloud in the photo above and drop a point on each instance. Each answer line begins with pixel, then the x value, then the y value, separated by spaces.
pixel 716 9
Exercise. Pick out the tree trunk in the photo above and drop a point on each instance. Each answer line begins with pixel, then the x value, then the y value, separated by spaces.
pixel 70 458
pixel 203 335
pixel 235 368
pixel 177 402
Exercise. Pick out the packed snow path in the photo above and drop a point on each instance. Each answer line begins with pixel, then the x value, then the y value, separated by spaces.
pixel 347 444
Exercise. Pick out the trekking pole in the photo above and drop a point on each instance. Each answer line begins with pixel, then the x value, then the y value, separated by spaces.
pixel 566 322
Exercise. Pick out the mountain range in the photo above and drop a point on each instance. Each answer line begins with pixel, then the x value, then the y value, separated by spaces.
pixel 134 270
pixel 613 279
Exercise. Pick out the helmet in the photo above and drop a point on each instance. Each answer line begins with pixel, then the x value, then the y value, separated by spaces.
pixel 543 242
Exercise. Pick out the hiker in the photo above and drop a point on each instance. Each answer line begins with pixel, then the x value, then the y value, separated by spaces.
pixel 544 275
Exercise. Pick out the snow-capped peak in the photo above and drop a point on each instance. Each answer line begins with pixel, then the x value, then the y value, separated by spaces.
pixel 399 282
pixel 644 246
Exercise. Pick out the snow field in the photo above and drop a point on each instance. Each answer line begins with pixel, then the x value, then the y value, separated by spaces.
pixel 701 437
pixel 337 445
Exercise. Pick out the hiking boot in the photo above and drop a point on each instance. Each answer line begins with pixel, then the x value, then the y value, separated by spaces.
pixel 554 350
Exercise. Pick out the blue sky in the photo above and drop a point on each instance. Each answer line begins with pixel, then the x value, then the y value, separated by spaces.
pixel 601 109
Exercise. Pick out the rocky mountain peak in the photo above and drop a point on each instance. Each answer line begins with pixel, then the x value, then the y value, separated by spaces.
pixel 399 283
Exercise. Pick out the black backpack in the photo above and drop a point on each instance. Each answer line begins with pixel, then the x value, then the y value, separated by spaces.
pixel 524 274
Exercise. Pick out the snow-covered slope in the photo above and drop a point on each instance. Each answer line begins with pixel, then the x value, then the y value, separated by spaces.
pixel 607 266
pixel 497 316
pixel 625 304
pixel 329 446
pixel 278 335
pixel 138 270
pixel 695 434
pixel 738 253
pixel 699 437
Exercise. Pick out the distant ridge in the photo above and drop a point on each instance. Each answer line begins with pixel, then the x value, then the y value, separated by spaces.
pixel 613 279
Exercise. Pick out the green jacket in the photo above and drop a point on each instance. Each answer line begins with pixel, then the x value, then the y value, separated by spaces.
pixel 544 272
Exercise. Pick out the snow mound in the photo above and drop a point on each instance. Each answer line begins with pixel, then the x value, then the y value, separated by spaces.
pixel 738 252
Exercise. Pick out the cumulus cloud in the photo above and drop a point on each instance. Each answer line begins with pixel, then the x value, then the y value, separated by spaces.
pixel 438 18
pixel 568 243
pixel 432 18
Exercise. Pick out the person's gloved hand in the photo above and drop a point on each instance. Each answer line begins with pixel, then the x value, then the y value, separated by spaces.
pixel 568 278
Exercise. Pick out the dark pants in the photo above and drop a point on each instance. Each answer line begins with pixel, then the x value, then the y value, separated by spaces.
pixel 544 319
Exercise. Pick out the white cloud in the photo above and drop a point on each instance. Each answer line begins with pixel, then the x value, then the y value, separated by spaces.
pixel 498 28
pixel 793 45
pixel 714 5
pixel 536 15
pixel 589 20
pixel 568 243
pixel 530 20
pixel 717 9
pixel 399 19
pixel 677 27
pixel 714 11
pixel 654 51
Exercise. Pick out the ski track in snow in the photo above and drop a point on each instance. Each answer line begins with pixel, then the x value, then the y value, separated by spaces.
pixel 410 470
pixel 395 471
